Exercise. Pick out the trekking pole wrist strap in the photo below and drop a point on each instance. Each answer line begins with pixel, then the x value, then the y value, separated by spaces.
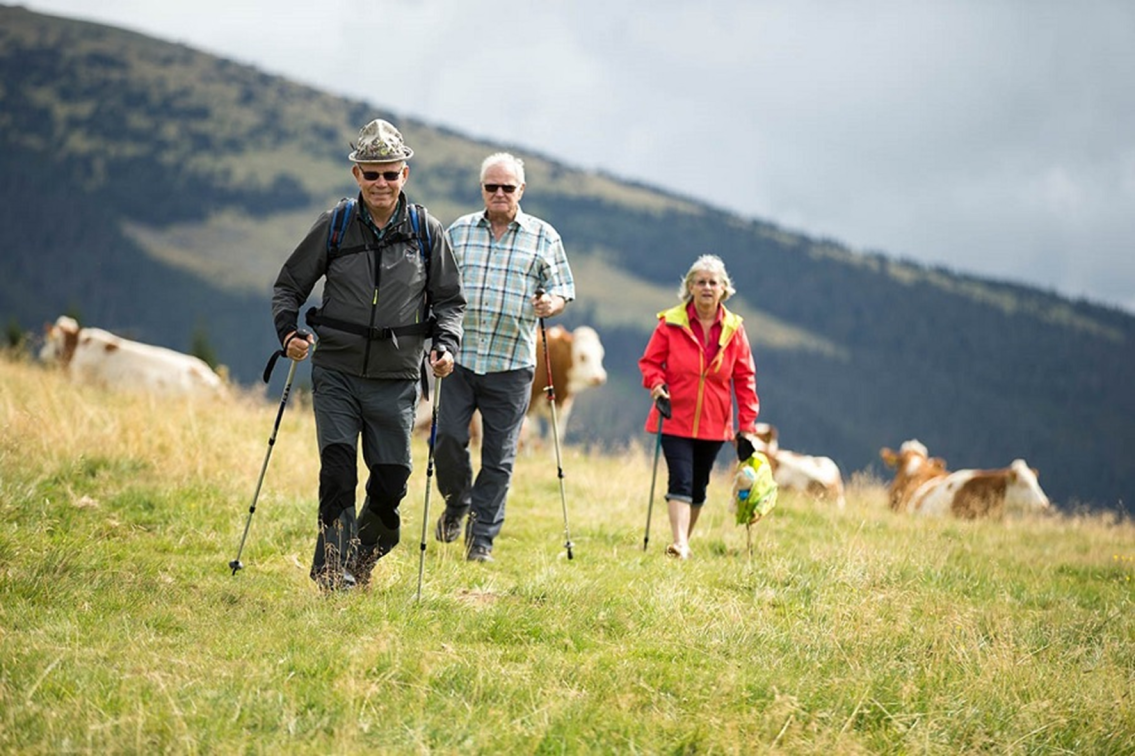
pixel 282 352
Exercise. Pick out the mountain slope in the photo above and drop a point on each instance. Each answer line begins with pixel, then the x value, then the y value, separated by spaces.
pixel 155 190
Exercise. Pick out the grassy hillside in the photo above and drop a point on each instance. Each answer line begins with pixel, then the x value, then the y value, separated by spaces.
pixel 843 632
pixel 154 190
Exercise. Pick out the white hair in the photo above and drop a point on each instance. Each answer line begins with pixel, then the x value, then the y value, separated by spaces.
pixel 706 264
pixel 503 157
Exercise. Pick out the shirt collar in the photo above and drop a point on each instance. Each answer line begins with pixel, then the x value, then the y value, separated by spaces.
pixel 692 312
pixel 395 217
pixel 522 220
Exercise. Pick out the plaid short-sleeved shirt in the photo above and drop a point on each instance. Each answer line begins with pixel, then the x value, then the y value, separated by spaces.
pixel 500 277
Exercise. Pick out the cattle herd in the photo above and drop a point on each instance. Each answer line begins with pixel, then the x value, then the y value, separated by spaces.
pixel 922 485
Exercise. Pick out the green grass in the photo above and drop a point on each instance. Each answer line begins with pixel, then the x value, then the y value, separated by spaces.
pixel 122 629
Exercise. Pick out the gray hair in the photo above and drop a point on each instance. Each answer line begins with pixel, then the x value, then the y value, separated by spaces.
pixel 503 157
pixel 706 264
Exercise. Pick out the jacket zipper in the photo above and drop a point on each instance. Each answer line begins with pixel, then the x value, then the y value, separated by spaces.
pixel 701 383
pixel 376 255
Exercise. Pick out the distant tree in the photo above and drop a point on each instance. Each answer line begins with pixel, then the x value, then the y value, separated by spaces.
pixel 202 347
pixel 15 337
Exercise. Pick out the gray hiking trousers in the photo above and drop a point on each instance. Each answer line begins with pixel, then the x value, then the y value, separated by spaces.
pixel 502 399
pixel 381 413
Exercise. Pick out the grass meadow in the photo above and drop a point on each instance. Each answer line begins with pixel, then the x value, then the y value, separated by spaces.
pixel 122 629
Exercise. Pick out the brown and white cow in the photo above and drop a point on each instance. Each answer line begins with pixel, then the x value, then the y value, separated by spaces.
pixel 577 365
pixel 818 477
pixel 913 466
pixel 97 357
pixel 923 486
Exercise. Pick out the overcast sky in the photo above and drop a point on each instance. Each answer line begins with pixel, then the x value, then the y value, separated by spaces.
pixel 993 137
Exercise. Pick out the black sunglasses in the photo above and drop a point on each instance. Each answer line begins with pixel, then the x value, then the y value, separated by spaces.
pixel 506 188
pixel 388 175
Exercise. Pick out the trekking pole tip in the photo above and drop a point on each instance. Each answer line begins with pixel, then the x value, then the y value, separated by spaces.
pixel 235 565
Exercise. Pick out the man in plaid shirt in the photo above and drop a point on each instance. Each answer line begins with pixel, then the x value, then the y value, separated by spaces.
pixel 505 255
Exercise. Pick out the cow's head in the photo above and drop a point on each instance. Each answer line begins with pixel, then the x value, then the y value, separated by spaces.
pixel 766 439
pixel 586 360
pixel 60 340
pixel 1024 493
pixel 913 465
pixel 910 458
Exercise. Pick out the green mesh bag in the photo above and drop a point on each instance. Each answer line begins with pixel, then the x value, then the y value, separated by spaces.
pixel 754 490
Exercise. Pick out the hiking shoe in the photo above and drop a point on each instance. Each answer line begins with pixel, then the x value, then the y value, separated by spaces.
pixel 448 530
pixel 333 580
pixel 479 554
pixel 363 566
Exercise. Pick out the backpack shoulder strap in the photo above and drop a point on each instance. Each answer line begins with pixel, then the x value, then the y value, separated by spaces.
pixel 419 220
pixel 340 220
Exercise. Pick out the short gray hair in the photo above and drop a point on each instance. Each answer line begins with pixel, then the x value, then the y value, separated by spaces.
pixel 706 264
pixel 503 157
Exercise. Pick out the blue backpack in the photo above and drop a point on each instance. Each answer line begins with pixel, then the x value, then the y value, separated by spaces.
pixel 341 220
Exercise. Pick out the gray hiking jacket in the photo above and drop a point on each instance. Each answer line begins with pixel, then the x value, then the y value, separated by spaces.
pixel 374 285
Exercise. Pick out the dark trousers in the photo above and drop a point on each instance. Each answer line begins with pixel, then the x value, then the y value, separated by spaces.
pixel 502 399
pixel 381 413
pixel 689 462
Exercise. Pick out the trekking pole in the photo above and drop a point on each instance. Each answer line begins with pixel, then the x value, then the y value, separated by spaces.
pixel 429 476
pixel 550 390
pixel 236 564
pixel 663 405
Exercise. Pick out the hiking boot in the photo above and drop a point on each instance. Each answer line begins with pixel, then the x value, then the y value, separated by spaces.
pixel 330 580
pixel 479 554
pixel 448 529
pixel 364 565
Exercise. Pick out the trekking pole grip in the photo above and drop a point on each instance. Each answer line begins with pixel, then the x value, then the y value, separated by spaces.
pixel 282 352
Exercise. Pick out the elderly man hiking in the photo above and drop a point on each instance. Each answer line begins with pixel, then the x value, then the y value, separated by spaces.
pixel 506 257
pixel 390 282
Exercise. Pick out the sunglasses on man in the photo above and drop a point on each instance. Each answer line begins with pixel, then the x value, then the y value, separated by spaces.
pixel 506 188
pixel 388 175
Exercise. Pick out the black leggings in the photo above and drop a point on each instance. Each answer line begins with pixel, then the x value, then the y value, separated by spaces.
pixel 689 461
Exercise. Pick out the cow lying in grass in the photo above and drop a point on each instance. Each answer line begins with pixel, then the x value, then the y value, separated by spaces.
pixel 92 356
pixel 922 485
pixel 818 477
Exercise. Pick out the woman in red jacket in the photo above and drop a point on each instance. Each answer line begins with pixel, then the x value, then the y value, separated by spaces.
pixel 698 358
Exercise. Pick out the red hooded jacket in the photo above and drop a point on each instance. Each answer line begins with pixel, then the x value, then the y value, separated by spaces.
pixel 700 395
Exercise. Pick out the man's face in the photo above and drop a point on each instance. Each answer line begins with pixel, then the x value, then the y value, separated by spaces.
pixel 500 203
pixel 381 184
